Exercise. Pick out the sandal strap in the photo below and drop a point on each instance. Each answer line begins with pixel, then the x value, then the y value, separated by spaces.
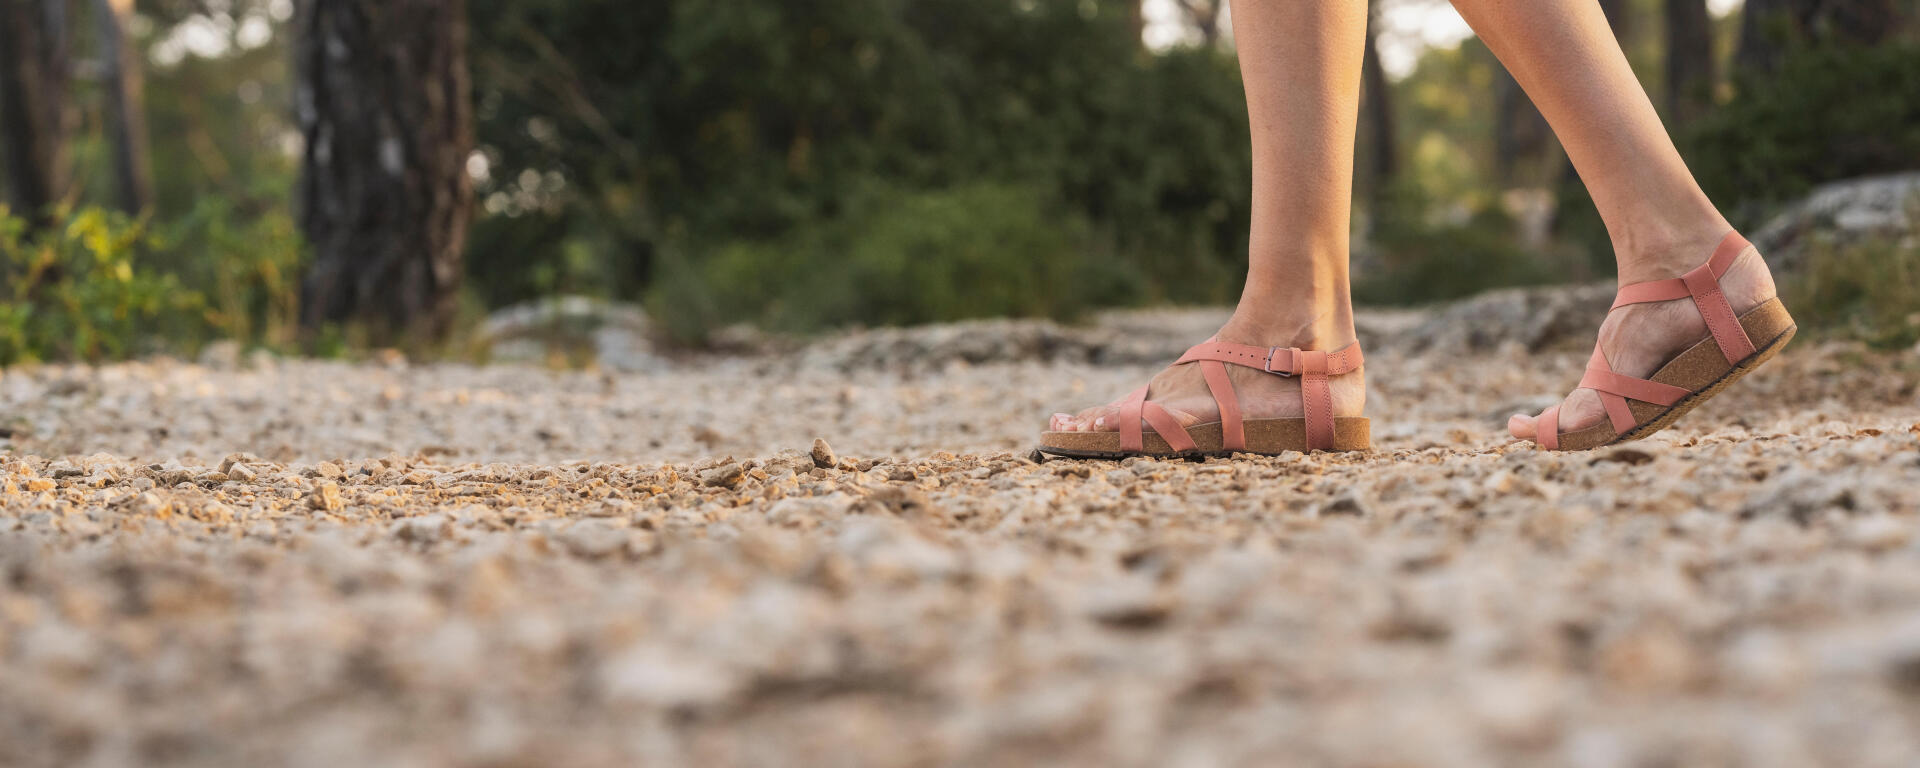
pixel 1169 428
pixel 1616 389
pixel 1285 361
pixel 1314 367
pixel 1233 435
pixel 1131 411
pixel 1316 398
pixel 1703 285
pixel 1135 410
pixel 1547 430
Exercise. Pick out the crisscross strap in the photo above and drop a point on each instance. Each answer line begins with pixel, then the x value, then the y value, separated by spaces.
pixel 1137 408
pixel 1703 285
pixel 1315 368
pixel 1548 428
pixel 1615 390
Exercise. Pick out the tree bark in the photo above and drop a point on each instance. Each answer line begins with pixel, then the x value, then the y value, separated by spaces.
pixel 33 104
pixel 384 103
pixel 1689 60
pixel 1620 18
pixel 126 112
pixel 1378 109
pixel 1519 130
pixel 1767 27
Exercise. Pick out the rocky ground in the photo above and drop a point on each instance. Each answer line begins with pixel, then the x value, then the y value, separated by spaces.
pixel 267 562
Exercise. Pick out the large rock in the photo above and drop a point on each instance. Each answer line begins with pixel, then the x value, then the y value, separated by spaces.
pixel 1122 337
pixel 1118 338
pixel 1844 213
pixel 1534 318
pixel 616 335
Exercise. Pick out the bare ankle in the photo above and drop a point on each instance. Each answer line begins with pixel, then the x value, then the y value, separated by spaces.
pixel 1278 324
pixel 1649 253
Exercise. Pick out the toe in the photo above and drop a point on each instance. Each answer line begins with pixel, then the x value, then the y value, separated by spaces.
pixel 1059 421
pixel 1523 426
pixel 1092 419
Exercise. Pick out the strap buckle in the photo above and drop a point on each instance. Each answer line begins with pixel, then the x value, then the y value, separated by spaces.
pixel 1268 365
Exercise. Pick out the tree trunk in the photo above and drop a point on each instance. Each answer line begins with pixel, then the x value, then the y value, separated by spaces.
pixel 1689 60
pixel 1519 130
pixel 126 113
pixel 384 103
pixel 1378 108
pixel 1767 27
pixel 1620 18
pixel 33 103
pixel 1759 37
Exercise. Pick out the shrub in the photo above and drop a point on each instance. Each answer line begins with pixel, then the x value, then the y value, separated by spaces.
pixel 738 128
pixel 1424 261
pixel 1830 112
pixel 97 285
pixel 1868 291
pixel 970 251
pixel 76 292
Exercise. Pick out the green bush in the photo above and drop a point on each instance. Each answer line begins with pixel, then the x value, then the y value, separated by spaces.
pixel 1869 292
pixel 1423 261
pixel 758 131
pixel 248 265
pixel 94 286
pixel 972 251
pixel 1830 112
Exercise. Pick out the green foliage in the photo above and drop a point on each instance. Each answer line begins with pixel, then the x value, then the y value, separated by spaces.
pixel 1869 292
pixel 1441 230
pixel 77 292
pixel 674 134
pixel 1831 112
pixel 980 249
pixel 248 265
pixel 1424 261
pixel 89 288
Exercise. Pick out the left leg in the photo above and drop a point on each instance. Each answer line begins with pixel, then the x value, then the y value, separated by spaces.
pixel 1661 223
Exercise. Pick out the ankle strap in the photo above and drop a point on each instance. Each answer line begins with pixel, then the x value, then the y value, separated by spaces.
pixel 1284 361
pixel 1703 285
pixel 1676 288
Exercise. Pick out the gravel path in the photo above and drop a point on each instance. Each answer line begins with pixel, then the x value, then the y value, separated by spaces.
pixel 314 563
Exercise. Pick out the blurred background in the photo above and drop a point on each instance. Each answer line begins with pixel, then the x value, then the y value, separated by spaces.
pixel 329 176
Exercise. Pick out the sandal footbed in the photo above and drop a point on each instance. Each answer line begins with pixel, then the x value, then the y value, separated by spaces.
pixel 1267 436
pixel 1702 370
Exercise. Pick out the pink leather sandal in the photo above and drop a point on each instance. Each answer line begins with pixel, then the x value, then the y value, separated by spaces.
pixel 1640 407
pixel 1319 430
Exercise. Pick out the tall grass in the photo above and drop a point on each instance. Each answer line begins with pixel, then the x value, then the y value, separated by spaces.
pixel 1869 292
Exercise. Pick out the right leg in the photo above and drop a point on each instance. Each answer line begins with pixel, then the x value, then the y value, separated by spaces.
pixel 1301 65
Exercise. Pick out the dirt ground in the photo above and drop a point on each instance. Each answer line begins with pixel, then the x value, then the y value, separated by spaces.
pixel 265 562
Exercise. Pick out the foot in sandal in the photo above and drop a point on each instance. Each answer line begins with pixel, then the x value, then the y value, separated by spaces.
pixel 1669 344
pixel 1240 391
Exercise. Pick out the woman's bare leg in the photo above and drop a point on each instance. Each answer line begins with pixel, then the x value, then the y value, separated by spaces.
pixel 1301 64
pixel 1565 56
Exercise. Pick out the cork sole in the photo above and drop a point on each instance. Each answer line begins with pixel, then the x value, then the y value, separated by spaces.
pixel 1268 437
pixel 1703 370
